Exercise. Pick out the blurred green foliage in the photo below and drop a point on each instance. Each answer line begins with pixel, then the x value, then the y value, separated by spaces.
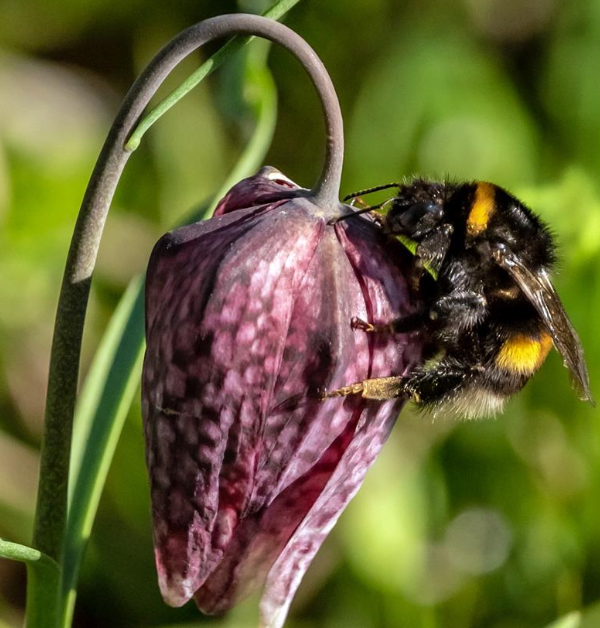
pixel 490 524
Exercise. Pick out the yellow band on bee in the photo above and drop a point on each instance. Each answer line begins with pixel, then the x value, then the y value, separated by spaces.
pixel 482 209
pixel 523 354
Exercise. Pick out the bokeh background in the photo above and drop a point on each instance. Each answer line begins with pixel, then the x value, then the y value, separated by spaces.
pixel 491 524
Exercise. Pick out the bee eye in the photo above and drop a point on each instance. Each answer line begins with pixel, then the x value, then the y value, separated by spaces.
pixel 501 247
pixel 500 251
pixel 414 219
pixel 504 239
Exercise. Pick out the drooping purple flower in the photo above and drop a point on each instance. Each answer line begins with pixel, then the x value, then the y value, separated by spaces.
pixel 248 321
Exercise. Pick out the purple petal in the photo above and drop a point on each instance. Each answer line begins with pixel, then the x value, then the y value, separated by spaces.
pixel 343 483
pixel 380 287
pixel 217 322
pixel 305 443
pixel 268 185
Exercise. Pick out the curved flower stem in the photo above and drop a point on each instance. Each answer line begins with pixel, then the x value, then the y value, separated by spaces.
pixel 278 10
pixel 51 509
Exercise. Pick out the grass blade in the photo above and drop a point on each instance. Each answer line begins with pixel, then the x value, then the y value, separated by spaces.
pixel 103 405
pixel 571 620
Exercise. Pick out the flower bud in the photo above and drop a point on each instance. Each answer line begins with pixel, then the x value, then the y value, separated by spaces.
pixel 247 324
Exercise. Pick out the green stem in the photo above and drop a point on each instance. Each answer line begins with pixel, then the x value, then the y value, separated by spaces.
pixel 22 553
pixel 51 512
pixel 276 12
pixel 43 581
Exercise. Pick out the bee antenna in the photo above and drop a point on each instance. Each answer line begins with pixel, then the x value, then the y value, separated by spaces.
pixel 366 210
pixel 377 188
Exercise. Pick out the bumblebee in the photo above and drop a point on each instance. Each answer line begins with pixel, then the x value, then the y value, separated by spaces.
pixel 490 313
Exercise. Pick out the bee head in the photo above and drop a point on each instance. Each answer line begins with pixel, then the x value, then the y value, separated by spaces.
pixel 417 210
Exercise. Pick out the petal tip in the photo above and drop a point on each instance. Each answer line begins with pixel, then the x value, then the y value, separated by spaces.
pixel 175 590
pixel 273 617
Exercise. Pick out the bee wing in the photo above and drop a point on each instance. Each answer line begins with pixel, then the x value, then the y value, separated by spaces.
pixel 541 293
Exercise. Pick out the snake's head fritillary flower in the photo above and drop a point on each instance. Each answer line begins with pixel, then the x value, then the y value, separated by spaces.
pixel 248 322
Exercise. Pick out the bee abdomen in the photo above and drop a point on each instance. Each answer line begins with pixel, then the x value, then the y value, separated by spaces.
pixel 523 354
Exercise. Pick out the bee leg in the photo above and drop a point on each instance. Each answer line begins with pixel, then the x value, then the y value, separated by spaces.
pixel 423 387
pixel 430 254
pixel 379 388
pixel 434 246
pixel 402 325
pixel 357 200
pixel 416 272
pixel 461 309
pixel 367 209
pixel 426 387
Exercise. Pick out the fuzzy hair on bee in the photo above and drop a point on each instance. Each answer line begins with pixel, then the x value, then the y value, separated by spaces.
pixel 490 313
